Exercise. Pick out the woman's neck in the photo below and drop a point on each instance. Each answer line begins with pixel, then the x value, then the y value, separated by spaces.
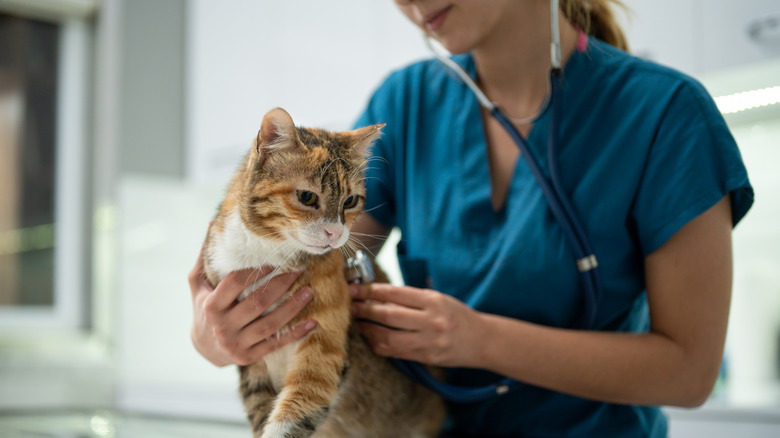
pixel 513 62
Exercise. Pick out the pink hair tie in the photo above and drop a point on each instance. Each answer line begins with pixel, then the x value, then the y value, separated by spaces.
pixel 582 40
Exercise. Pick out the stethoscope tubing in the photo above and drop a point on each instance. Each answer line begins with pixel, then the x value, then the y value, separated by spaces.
pixel 577 236
pixel 557 200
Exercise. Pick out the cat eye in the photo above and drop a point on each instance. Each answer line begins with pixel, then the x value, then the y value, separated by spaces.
pixel 307 198
pixel 351 202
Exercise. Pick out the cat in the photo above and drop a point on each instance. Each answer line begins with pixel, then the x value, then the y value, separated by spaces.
pixel 290 205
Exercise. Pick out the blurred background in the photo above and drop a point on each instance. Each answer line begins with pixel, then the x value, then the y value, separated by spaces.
pixel 122 120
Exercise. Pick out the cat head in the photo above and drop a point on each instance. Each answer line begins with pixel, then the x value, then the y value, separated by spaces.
pixel 305 187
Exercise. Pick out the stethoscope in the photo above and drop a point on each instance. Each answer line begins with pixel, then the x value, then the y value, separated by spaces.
pixel 560 206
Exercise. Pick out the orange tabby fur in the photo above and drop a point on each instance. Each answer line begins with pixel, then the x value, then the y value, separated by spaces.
pixel 329 383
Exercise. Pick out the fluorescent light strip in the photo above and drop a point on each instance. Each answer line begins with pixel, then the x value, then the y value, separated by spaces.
pixel 734 103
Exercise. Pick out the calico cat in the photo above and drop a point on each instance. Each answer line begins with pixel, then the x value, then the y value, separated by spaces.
pixel 289 205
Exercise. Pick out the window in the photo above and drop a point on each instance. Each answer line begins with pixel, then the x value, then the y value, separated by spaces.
pixel 43 143
pixel 28 93
pixel 51 353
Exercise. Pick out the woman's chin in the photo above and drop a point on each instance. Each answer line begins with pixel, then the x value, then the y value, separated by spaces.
pixel 453 45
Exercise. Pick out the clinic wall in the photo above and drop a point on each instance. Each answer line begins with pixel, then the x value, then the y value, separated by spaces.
pixel 152 102
pixel 703 37
pixel 246 57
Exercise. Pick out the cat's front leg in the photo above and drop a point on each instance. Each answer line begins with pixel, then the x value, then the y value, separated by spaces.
pixel 310 388
pixel 258 394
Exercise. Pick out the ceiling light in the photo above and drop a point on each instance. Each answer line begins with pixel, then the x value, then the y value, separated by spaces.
pixel 746 100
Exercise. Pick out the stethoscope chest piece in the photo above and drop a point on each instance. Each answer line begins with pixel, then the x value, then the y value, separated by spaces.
pixel 358 269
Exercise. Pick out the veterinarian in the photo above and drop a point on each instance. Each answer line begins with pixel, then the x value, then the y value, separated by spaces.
pixel 655 179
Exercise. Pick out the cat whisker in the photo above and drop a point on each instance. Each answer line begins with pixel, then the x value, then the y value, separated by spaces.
pixel 373 236
pixel 376 158
pixel 332 162
pixel 363 234
pixel 258 269
pixel 363 167
pixel 285 258
pixel 372 209
pixel 344 252
pixel 348 249
pixel 356 240
pixel 366 178
pixel 358 169
pixel 273 234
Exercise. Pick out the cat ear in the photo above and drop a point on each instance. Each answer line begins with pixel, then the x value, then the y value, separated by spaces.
pixel 362 138
pixel 276 132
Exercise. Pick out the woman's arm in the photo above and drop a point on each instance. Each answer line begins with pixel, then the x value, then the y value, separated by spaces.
pixel 689 290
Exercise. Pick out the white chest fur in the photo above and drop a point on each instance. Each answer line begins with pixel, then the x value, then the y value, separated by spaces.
pixel 238 248
pixel 278 363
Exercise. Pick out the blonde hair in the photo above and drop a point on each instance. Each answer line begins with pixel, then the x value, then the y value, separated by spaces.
pixel 595 17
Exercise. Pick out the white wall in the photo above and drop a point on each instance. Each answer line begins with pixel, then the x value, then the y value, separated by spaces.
pixel 701 37
pixel 753 345
pixel 318 60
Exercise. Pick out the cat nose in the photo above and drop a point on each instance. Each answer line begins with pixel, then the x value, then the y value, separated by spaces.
pixel 333 231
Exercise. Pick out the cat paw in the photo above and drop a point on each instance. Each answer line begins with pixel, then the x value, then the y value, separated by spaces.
pixel 278 430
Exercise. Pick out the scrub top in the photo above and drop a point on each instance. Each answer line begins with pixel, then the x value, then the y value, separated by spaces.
pixel 642 151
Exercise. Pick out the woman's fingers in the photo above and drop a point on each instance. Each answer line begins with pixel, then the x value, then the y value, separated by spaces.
pixel 261 299
pixel 392 343
pixel 237 345
pixel 270 324
pixel 418 324
pixel 230 287
pixel 403 295
pixel 273 343
pixel 196 277
pixel 391 315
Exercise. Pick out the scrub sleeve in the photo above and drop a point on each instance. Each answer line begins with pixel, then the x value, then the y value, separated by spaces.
pixel 693 164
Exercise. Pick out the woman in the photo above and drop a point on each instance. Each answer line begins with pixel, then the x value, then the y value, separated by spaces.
pixel 652 171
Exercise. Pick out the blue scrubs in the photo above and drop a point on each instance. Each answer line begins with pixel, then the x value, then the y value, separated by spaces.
pixel 642 151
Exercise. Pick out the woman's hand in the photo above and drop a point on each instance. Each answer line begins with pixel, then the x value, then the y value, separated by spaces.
pixel 226 331
pixel 418 324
